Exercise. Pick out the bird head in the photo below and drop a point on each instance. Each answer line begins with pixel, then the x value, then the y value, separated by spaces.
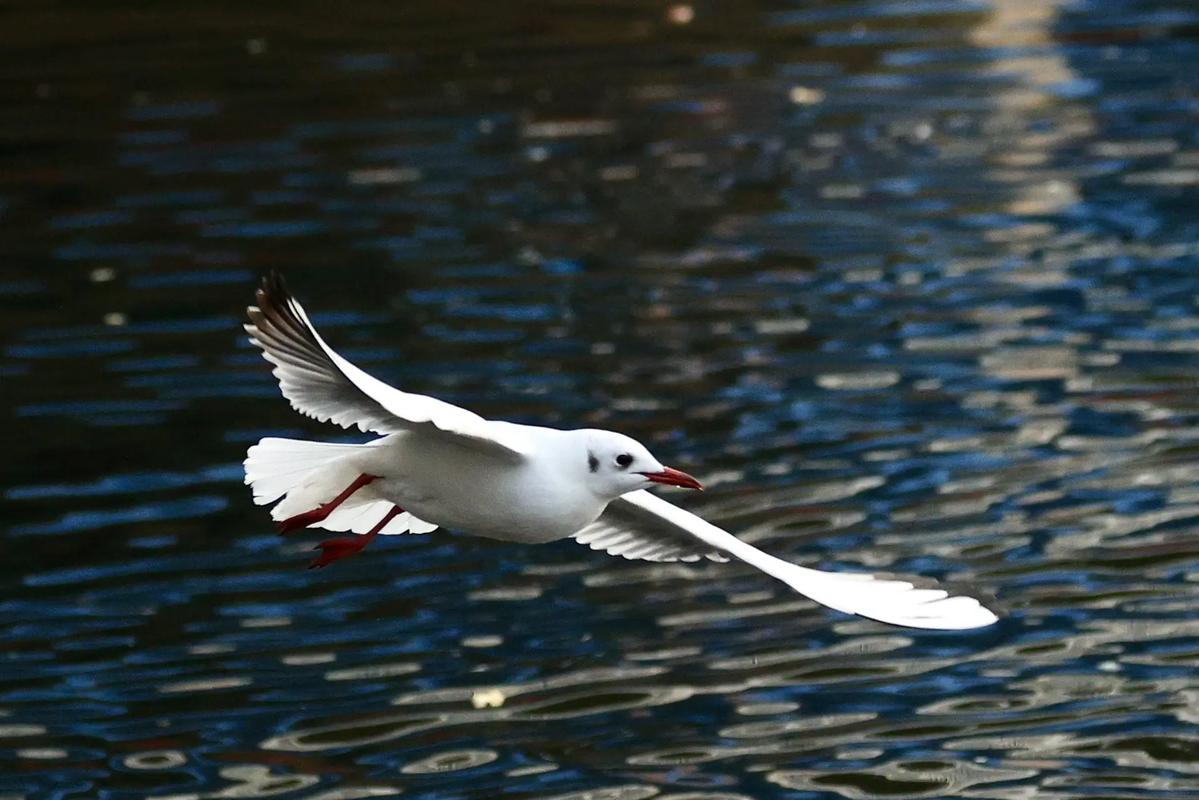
pixel 616 464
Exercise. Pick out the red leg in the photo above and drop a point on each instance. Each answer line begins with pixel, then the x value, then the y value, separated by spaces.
pixel 321 512
pixel 334 549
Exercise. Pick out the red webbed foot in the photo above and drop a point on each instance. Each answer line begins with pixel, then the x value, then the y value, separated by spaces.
pixel 335 549
pixel 301 520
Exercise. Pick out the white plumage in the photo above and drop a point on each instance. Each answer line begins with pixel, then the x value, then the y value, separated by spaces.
pixel 438 465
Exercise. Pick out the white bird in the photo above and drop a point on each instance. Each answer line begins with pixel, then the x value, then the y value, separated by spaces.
pixel 438 465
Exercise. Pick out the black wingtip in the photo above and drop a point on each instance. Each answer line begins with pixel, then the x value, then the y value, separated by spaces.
pixel 272 284
pixel 277 310
pixel 272 292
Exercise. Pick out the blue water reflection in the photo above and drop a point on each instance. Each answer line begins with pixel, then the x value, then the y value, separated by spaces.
pixel 910 286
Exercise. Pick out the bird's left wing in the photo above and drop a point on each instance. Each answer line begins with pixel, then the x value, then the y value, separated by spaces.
pixel 324 385
pixel 643 525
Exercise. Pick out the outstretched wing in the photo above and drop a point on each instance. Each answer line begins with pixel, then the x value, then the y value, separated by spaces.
pixel 629 530
pixel 321 384
pixel 643 525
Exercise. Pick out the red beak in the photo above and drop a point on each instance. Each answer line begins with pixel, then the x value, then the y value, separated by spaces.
pixel 673 477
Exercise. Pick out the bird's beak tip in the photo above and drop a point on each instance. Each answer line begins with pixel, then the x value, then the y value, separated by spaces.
pixel 673 477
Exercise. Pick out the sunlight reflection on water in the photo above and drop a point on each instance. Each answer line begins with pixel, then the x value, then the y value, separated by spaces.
pixel 911 287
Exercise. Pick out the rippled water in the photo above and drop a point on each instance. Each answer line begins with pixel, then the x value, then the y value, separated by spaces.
pixel 911 286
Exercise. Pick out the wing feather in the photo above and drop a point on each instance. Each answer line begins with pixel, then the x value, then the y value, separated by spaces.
pixel 643 525
pixel 624 529
pixel 325 386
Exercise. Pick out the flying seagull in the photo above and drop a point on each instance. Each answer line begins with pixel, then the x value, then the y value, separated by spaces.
pixel 438 465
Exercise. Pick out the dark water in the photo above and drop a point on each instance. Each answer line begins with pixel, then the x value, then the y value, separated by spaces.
pixel 911 285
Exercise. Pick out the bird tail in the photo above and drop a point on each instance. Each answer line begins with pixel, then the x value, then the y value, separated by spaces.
pixel 307 474
pixel 275 467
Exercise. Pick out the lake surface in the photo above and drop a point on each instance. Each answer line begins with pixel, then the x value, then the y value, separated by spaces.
pixel 911 286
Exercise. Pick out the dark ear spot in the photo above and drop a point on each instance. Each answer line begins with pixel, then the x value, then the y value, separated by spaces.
pixel 592 462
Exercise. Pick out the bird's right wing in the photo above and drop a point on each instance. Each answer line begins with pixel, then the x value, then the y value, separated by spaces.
pixel 321 384
pixel 643 525
pixel 629 530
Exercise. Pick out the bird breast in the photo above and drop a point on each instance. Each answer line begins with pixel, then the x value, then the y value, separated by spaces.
pixel 458 487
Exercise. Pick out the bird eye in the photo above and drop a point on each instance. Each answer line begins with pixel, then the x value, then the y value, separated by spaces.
pixel 623 460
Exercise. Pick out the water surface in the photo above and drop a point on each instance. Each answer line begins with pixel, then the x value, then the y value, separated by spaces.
pixel 910 286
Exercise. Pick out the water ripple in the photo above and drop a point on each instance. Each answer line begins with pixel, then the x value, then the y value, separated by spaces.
pixel 911 286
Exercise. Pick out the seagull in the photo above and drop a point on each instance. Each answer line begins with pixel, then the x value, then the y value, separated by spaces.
pixel 436 465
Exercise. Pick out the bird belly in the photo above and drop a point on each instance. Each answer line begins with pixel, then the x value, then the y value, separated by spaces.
pixel 471 492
